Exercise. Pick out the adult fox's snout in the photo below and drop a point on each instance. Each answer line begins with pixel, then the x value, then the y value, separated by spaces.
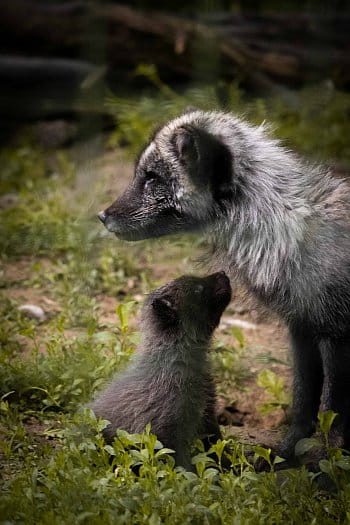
pixel 120 217
pixel 140 214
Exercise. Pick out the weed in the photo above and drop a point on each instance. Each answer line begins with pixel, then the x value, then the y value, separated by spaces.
pixel 275 389
pixel 228 365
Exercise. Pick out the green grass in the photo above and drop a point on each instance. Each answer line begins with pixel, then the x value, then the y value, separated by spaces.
pixel 55 466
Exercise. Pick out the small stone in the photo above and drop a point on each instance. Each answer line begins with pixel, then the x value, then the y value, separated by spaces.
pixel 130 283
pixel 239 309
pixel 8 199
pixel 55 133
pixel 33 311
pixel 240 323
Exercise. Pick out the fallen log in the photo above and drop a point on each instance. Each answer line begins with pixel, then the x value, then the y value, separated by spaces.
pixel 292 48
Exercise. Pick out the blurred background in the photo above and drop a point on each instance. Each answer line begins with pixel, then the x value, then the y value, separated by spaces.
pixel 80 68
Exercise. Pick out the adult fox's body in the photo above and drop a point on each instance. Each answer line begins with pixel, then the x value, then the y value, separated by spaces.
pixel 278 223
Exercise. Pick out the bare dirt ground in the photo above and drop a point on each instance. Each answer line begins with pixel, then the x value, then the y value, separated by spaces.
pixel 264 337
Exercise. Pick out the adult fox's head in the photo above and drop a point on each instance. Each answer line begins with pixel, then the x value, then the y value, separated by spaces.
pixel 181 181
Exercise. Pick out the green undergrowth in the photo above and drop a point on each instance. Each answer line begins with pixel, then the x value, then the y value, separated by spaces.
pixel 228 364
pixel 56 467
pixel 58 372
pixel 40 219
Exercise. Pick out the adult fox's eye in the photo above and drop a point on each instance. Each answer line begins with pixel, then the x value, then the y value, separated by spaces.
pixel 150 175
pixel 150 178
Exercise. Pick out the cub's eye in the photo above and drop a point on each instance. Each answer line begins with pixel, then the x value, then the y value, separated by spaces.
pixel 199 289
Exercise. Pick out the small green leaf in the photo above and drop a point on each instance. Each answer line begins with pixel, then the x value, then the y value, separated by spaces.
pixel 102 424
pixel 164 451
pixel 154 519
pixel 326 420
pixel 306 444
pixel 210 473
pixel 122 316
pixel 109 449
pixel 104 337
pixel 190 476
pixel 325 466
pixel 262 452
pixel 158 445
pixel 343 463
pixel 278 459
pixel 202 458
pixel 238 334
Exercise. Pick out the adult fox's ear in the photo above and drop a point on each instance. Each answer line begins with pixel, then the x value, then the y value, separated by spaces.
pixel 165 310
pixel 187 146
pixel 207 159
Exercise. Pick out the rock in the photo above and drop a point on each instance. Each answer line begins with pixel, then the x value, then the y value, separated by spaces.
pixel 240 323
pixel 55 133
pixel 8 199
pixel 239 309
pixel 33 311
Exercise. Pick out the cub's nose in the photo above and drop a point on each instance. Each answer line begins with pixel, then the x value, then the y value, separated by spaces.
pixel 102 216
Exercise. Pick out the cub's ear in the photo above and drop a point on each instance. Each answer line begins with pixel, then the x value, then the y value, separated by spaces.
pixel 187 146
pixel 165 310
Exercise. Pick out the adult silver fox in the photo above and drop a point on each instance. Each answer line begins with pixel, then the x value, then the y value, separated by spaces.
pixel 280 224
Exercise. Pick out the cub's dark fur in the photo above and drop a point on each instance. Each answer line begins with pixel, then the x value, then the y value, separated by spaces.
pixel 169 384
pixel 281 225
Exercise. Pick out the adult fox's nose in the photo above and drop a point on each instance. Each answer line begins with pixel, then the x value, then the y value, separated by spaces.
pixel 102 216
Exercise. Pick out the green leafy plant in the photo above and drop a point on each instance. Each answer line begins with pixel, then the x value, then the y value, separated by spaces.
pixel 336 463
pixel 275 389
pixel 228 364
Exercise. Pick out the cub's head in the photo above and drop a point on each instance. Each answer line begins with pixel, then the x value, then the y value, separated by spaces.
pixel 189 307
pixel 181 181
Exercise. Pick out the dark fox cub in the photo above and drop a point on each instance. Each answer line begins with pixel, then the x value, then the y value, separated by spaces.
pixel 169 383
pixel 278 223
